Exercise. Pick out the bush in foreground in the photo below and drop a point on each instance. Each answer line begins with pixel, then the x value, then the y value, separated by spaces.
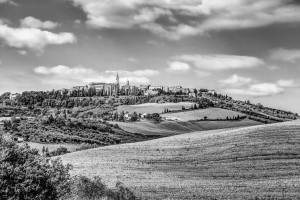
pixel 83 188
pixel 25 175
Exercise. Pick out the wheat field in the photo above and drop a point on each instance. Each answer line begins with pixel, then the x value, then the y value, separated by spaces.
pixel 245 163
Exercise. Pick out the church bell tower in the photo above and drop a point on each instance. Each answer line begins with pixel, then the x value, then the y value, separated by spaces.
pixel 118 79
pixel 118 84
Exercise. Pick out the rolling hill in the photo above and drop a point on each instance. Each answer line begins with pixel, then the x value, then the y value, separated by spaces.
pixel 169 128
pixel 246 163
pixel 153 107
pixel 210 113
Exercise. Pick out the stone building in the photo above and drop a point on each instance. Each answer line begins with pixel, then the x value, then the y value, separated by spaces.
pixel 106 89
pixel 129 89
pixel 13 96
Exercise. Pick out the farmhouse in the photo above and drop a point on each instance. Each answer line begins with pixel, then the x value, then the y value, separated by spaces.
pixel 1 125
pixel 13 96
pixel 144 88
pixel 176 89
pixel 128 116
pixel 143 116
pixel 151 92
pixel 18 139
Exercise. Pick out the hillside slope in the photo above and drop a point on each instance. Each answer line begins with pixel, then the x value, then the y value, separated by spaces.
pixel 153 107
pixel 258 161
pixel 210 113
pixel 169 128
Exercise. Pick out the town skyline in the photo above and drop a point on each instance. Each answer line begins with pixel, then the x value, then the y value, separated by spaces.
pixel 101 88
pixel 198 43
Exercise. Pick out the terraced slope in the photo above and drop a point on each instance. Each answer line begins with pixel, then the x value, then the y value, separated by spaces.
pixel 259 161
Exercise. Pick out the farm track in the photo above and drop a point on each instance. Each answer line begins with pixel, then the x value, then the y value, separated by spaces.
pixel 259 161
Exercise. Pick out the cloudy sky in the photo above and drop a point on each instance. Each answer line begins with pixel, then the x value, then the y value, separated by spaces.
pixel 249 49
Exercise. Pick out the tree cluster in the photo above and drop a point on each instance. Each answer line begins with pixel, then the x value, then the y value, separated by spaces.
pixel 25 175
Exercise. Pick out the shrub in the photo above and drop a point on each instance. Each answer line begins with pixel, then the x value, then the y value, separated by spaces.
pixel 123 193
pixel 26 175
pixel 84 188
pixel 59 151
pixel 86 146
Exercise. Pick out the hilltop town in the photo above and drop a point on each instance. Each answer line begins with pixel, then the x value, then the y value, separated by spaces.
pixel 115 89
pixel 114 94
pixel 103 109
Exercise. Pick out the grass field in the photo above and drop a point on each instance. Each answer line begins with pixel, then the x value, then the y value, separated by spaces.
pixel 153 107
pixel 210 113
pixel 169 128
pixel 259 161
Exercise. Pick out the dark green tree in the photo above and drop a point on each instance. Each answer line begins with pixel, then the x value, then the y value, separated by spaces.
pixel 25 175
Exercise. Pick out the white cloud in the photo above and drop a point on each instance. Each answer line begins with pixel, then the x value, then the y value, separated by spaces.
pixel 31 22
pixel 133 60
pixel 33 38
pixel 188 17
pixel 22 52
pixel 236 81
pixel 173 33
pixel 288 55
pixel 9 2
pixel 258 90
pixel 287 83
pixel 155 43
pixel 65 76
pixel 245 86
pixel 63 70
pixel 202 73
pixel 178 66
pixel 126 14
pixel 221 62
pixel 77 21
pixel 145 72
pixel 273 67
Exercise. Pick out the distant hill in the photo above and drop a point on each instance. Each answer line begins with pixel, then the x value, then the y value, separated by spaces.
pixel 245 163
pixel 154 107
pixel 210 113
pixel 169 128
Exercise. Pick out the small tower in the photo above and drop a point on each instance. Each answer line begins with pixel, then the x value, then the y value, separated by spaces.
pixel 118 85
pixel 127 82
pixel 118 79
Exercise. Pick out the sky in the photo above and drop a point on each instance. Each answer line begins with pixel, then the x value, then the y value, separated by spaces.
pixel 248 49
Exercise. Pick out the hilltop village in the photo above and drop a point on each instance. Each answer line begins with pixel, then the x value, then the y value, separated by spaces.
pixel 107 113
pixel 113 94
pixel 115 89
